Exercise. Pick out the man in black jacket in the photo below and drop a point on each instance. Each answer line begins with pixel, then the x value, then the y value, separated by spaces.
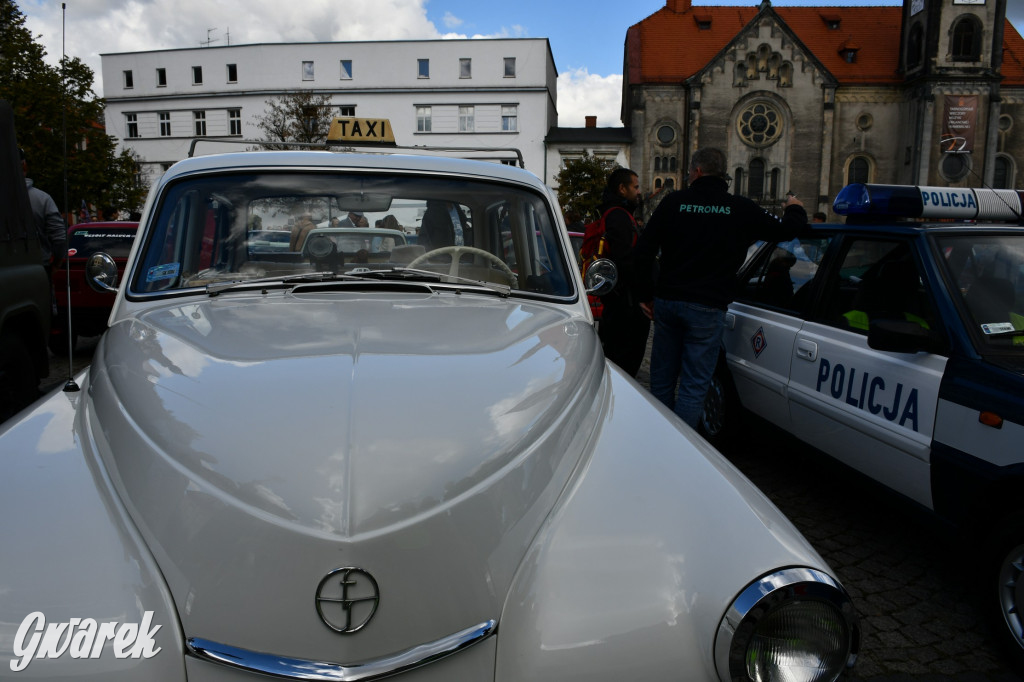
pixel 703 233
pixel 623 327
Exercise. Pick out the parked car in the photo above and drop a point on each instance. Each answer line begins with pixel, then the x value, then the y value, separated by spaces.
pixel 895 344
pixel 89 308
pixel 423 470
pixel 24 288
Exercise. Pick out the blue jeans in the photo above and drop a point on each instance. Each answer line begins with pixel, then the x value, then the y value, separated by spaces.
pixel 687 339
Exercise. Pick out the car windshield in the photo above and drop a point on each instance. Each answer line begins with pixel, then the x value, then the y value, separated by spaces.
pixel 235 227
pixel 988 271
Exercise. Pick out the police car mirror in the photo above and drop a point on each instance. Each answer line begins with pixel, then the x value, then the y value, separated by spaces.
pixel 900 336
pixel 101 272
pixel 601 277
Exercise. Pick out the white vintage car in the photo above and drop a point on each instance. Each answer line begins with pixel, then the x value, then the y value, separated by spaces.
pixel 285 463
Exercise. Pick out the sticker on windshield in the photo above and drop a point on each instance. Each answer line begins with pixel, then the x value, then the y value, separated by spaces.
pixel 997 327
pixel 162 272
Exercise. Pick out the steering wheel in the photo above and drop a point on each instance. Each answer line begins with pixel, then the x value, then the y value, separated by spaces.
pixel 456 253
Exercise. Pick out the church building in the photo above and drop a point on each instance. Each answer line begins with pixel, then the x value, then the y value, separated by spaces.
pixel 808 99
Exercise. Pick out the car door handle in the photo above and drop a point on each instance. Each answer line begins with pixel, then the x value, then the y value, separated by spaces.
pixel 806 350
pixel 730 321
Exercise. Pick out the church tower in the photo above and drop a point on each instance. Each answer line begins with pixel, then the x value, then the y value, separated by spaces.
pixel 950 59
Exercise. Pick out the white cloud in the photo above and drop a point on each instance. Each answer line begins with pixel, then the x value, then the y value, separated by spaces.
pixel 451 21
pixel 582 94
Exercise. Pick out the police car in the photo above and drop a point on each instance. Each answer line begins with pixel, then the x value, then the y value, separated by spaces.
pixel 895 344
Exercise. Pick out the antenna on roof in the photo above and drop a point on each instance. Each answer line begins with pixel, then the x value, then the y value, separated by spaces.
pixel 206 43
pixel 71 386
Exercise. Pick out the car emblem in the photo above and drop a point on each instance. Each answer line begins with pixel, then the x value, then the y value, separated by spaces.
pixel 346 599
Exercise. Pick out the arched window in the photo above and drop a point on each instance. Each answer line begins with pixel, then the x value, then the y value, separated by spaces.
pixel 657 164
pixel 738 187
pixel 672 164
pixel 670 183
pixel 859 170
pixel 775 183
pixel 914 46
pixel 756 183
pixel 657 183
pixel 1003 174
pixel 966 40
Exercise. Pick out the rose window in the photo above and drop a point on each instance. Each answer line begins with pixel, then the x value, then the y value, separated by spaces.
pixel 760 124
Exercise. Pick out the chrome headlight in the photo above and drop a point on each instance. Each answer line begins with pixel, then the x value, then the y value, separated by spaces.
pixel 796 624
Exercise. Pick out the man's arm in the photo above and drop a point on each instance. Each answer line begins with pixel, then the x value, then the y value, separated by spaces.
pixel 56 232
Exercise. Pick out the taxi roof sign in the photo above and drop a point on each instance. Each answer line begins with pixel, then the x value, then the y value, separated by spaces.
pixel 362 131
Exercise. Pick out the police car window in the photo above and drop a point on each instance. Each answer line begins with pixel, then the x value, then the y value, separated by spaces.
pixel 782 278
pixel 988 273
pixel 876 279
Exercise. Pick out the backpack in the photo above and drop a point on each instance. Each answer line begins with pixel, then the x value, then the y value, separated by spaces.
pixel 595 241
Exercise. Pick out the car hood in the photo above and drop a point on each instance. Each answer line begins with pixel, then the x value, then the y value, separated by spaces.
pixel 262 441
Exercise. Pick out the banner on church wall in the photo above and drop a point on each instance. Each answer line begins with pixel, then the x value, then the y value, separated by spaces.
pixel 959 121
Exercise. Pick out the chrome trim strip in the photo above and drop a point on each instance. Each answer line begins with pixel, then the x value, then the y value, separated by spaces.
pixel 301 669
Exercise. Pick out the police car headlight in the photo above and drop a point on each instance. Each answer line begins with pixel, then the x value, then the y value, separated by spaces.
pixel 796 624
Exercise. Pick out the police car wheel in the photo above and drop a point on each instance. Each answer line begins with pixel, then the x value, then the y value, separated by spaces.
pixel 718 419
pixel 1008 552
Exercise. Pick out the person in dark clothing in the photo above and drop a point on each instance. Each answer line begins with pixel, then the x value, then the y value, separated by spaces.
pixel 703 233
pixel 624 327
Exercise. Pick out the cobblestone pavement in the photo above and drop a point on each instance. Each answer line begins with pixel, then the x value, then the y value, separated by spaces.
pixel 910 578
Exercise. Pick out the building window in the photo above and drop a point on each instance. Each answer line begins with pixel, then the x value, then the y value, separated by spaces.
pixel 199 118
pixel 755 189
pixel 966 40
pixel 666 134
pixel 465 68
pixel 859 171
pixel 234 121
pixel 133 124
pixel 129 81
pixel 161 78
pixel 348 110
pixel 738 180
pixel 197 75
pixel 914 46
pixel 232 73
pixel 165 123
pixel 423 119
pixel 466 120
pixel 423 68
pixel 955 167
pixel 510 67
pixel 307 71
pixel 759 124
pixel 510 118
pixel 346 69
pixel 1003 176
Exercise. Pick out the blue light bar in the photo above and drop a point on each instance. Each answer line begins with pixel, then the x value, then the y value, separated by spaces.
pixel 911 201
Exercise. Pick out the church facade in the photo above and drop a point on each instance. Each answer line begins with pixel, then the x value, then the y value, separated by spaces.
pixel 808 99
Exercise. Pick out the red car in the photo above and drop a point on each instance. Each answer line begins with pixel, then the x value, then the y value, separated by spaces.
pixel 596 307
pixel 89 308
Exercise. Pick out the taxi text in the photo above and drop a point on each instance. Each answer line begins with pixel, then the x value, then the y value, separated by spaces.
pixel 867 392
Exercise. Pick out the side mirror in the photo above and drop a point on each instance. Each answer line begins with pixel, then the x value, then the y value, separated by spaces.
pixel 601 277
pixel 101 272
pixel 901 336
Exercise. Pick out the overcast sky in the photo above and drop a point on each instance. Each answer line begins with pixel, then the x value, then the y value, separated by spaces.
pixel 586 36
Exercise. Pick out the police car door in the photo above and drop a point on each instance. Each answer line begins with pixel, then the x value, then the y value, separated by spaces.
pixel 762 323
pixel 871 409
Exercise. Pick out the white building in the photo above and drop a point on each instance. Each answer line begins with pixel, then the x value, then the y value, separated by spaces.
pixel 441 93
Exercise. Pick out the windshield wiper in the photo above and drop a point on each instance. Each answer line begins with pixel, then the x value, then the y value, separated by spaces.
pixel 359 275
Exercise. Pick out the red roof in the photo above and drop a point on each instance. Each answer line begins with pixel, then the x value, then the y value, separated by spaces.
pixel 671 46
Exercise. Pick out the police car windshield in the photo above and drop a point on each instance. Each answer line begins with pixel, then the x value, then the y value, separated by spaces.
pixel 988 272
pixel 252 225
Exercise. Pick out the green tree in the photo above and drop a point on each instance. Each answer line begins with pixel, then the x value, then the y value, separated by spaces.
pixel 581 183
pixel 59 122
pixel 297 116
